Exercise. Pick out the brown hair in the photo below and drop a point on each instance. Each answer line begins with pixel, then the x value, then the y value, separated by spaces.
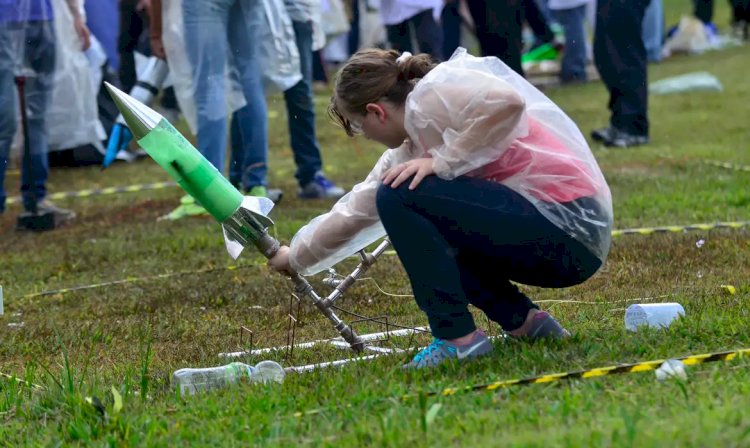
pixel 371 75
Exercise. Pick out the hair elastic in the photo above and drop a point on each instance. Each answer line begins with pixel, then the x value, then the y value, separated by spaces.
pixel 404 56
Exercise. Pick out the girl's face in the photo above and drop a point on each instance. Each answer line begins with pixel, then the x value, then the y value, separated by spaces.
pixel 382 122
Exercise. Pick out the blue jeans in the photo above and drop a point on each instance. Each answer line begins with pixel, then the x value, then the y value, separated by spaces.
pixel 463 241
pixel 33 45
pixel 653 30
pixel 214 30
pixel 451 21
pixel 574 59
pixel 301 111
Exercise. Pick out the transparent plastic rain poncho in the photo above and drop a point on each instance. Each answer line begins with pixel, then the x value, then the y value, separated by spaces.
pixel 473 115
pixel 73 114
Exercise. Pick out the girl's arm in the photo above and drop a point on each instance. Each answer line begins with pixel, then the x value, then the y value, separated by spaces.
pixel 351 225
pixel 466 118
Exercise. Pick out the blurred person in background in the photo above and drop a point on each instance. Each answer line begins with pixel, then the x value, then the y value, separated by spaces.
pixel 498 27
pixel 421 17
pixel 313 184
pixel 620 57
pixel 27 46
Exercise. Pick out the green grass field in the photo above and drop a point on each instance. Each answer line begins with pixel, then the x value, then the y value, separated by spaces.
pixel 132 336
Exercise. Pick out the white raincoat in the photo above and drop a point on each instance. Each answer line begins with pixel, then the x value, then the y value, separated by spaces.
pixel 475 116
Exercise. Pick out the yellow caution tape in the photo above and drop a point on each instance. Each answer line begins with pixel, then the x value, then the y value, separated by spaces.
pixel 102 191
pixel 727 165
pixel 643 366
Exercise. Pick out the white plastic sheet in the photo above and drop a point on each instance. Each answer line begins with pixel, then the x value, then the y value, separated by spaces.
pixel 73 114
pixel 279 53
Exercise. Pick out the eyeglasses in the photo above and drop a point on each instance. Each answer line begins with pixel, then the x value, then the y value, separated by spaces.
pixel 356 127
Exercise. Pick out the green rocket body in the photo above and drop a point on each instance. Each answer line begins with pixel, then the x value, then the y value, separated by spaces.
pixel 191 170
pixel 178 157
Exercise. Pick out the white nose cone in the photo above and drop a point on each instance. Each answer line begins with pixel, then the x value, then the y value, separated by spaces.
pixel 139 117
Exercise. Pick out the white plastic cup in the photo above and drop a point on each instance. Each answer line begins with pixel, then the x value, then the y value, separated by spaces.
pixel 657 315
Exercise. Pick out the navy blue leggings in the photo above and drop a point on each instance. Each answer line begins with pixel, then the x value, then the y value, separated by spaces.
pixel 463 241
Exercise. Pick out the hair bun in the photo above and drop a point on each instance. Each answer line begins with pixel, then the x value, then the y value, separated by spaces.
pixel 414 67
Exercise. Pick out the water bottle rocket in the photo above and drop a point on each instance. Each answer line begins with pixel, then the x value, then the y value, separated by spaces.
pixel 243 219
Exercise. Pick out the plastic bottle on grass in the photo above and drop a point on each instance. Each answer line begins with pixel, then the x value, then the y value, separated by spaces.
pixel 657 315
pixel 191 381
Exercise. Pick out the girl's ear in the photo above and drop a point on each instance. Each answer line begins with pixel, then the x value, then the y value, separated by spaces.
pixel 378 110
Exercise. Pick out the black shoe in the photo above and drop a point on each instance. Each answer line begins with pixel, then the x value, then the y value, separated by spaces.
pixel 601 135
pixel 622 139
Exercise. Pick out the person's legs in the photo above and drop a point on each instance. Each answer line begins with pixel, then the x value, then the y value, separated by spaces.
pixel 574 57
pixel 653 30
pixel 620 57
pixel 429 34
pixel 301 111
pixel 245 18
pixel 498 27
pixel 704 10
pixel 451 29
pixel 353 38
pixel 399 36
pixel 8 100
pixel 486 289
pixel 537 21
pixel 435 227
pixel 40 52
pixel 131 28
pixel 206 45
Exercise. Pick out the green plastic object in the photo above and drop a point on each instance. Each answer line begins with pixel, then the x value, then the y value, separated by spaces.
pixel 191 170
pixel 544 52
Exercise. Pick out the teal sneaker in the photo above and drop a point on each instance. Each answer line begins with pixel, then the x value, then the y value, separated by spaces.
pixel 440 350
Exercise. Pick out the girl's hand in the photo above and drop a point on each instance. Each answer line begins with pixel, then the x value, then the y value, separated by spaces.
pixel 419 168
pixel 280 261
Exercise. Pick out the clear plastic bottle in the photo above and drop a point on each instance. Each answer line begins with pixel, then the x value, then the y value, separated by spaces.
pixel 191 381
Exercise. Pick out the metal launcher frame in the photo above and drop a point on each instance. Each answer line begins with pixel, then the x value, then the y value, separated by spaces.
pixel 250 228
